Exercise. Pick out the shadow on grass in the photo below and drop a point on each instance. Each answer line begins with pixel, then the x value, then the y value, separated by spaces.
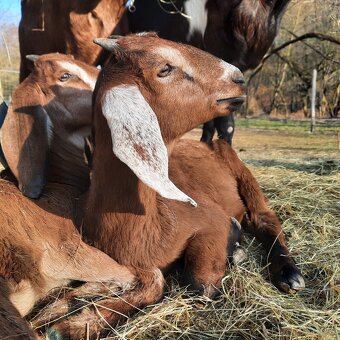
pixel 316 166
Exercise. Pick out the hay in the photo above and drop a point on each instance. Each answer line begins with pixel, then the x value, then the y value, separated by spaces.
pixel 250 307
pixel 303 186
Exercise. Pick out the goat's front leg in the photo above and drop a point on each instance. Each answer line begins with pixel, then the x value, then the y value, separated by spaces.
pixel 208 131
pixel 266 227
pixel 206 255
pixel 264 223
pixel 282 268
pixel 78 261
pixel 225 127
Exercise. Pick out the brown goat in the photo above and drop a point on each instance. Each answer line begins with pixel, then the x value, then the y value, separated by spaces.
pixel 151 93
pixel 67 27
pixel 40 248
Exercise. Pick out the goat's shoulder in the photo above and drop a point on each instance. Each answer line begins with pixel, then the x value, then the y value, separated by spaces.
pixel 201 170
pixel 19 261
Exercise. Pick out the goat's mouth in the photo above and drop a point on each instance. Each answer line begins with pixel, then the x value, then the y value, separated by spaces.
pixel 232 103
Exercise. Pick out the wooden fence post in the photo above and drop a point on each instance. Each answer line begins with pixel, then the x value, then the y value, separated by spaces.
pixel 312 115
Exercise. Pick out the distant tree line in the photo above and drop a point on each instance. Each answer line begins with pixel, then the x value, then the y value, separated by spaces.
pixel 282 84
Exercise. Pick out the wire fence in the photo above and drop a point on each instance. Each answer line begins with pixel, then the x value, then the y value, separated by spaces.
pixel 9 79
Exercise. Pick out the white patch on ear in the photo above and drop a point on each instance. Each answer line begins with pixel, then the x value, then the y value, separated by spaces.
pixel 137 139
pixel 79 72
pixel 175 58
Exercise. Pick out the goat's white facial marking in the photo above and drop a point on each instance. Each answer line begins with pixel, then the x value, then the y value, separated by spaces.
pixel 175 58
pixel 197 17
pixel 137 139
pixel 228 70
pixel 79 72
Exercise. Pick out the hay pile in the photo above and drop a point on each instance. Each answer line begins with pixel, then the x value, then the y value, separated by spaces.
pixel 303 186
pixel 305 192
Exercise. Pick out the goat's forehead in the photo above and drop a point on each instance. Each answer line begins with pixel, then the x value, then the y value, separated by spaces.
pixel 190 59
pixel 79 71
pixel 172 55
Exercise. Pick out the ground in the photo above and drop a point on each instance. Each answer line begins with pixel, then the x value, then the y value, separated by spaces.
pixel 300 174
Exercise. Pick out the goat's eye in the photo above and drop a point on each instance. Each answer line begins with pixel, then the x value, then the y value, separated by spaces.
pixel 65 76
pixel 165 71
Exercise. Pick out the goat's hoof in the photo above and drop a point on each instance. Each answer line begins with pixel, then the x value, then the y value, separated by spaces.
pixel 239 254
pixel 288 279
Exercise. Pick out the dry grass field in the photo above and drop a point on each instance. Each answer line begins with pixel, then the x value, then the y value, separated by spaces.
pixel 300 174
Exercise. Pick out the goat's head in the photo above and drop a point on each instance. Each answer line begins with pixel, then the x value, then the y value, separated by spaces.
pixel 183 85
pixel 54 100
pixel 152 92
pixel 250 28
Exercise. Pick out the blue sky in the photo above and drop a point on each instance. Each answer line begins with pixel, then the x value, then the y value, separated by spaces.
pixel 10 11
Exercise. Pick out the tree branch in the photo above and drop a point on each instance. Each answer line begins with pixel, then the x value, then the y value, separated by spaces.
pixel 313 48
pixel 309 35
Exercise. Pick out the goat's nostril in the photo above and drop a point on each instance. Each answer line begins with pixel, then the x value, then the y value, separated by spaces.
pixel 239 80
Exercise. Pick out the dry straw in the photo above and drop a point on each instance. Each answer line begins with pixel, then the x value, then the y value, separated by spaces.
pixel 307 198
pixel 249 306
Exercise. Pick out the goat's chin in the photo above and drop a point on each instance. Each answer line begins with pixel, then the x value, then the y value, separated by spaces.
pixel 229 105
pixel 226 111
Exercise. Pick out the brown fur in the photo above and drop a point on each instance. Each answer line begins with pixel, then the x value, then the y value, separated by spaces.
pixel 42 105
pixel 12 324
pixel 137 227
pixel 249 28
pixel 40 248
pixel 67 27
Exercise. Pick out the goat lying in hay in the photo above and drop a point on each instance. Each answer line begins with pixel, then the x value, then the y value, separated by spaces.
pixel 151 93
pixel 40 247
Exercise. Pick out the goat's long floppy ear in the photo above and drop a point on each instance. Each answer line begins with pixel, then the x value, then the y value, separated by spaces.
pixel 137 139
pixel 25 139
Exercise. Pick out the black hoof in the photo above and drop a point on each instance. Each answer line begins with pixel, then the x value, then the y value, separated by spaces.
pixel 288 278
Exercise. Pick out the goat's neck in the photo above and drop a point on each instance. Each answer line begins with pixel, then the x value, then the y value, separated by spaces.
pixel 67 163
pixel 66 155
pixel 117 200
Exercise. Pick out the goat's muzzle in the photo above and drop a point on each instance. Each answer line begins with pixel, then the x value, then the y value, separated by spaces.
pixel 233 103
